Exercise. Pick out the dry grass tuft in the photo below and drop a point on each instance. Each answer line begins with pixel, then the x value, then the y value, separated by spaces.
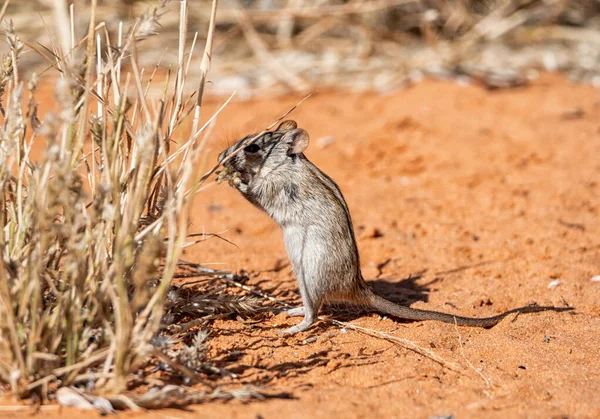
pixel 91 234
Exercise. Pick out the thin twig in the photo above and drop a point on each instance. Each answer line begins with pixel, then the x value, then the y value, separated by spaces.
pixel 469 363
pixel 405 343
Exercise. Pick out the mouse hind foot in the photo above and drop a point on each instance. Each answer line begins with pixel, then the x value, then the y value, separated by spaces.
pixel 311 302
pixel 300 327
pixel 310 316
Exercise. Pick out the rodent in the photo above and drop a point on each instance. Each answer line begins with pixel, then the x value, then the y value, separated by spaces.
pixel 273 173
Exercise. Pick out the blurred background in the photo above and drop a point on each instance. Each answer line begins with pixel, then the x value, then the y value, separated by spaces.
pixel 272 47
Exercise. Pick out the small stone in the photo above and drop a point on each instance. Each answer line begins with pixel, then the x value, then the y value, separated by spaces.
pixel 69 397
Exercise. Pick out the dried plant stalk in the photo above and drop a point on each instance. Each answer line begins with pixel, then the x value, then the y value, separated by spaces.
pixel 80 290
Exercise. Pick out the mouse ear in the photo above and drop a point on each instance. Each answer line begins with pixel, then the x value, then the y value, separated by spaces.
pixel 287 125
pixel 298 141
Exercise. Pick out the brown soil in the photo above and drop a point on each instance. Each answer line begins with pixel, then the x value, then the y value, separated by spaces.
pixel 464 201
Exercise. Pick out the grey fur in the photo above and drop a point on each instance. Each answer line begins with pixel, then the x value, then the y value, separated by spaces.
pixel 317 228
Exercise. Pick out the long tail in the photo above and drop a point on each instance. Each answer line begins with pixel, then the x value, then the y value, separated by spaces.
pixel 385 306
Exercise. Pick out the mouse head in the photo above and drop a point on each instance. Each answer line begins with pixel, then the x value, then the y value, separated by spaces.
pixel 271 152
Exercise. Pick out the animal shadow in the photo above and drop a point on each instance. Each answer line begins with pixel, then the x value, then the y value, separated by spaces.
pixel 405 292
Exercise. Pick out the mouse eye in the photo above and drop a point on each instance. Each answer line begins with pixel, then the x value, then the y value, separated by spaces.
pixel 252 148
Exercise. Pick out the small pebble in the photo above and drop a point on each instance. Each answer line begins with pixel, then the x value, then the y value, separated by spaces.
pixel 596 278
pixel 69 397
pixel 553 284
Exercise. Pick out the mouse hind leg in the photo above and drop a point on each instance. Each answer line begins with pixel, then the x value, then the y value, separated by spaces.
pixel 311 303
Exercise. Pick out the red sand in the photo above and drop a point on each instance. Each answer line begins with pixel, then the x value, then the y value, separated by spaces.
pixel 492 194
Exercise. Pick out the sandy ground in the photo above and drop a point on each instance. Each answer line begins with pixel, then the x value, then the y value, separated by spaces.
pixel 463 200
